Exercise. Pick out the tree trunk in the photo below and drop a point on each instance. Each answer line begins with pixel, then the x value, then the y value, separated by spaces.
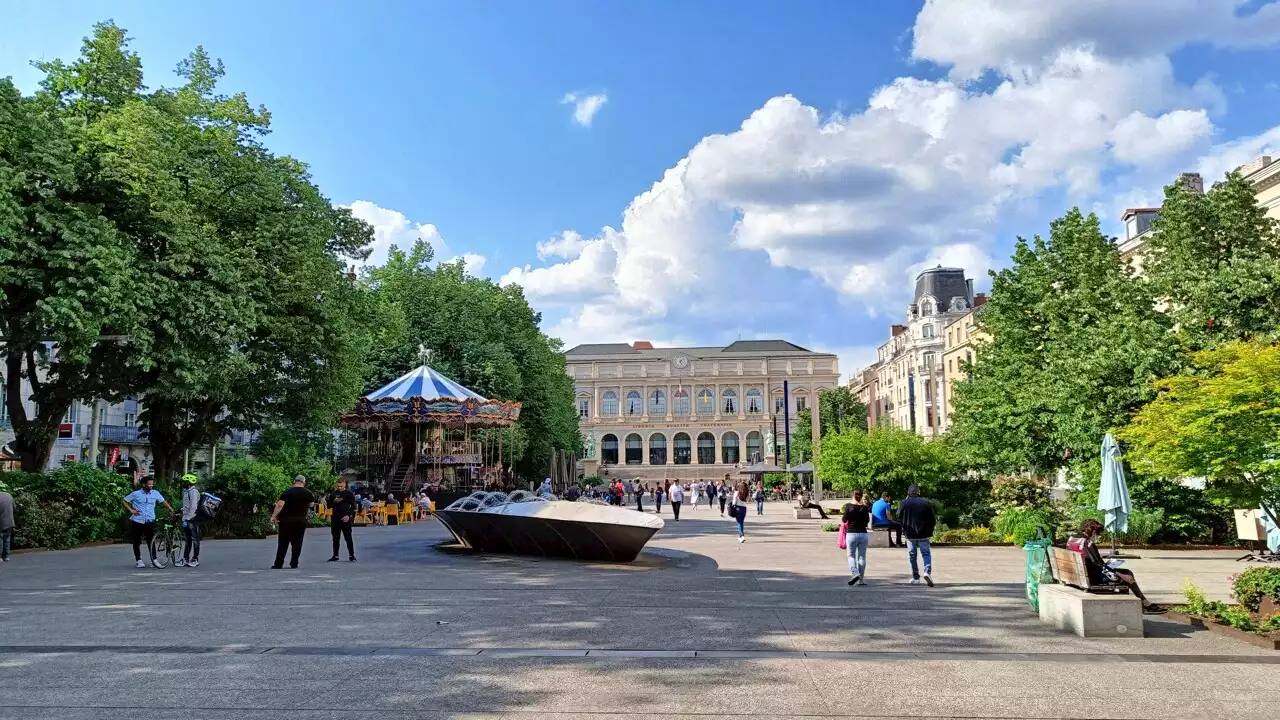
pixel 33 437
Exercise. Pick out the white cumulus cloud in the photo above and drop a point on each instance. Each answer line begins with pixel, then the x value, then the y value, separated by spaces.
pixel 394 228
pixel 585 106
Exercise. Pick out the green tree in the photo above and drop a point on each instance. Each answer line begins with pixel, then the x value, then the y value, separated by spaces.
pixel 885 459
pixel 839 409
pixel 1215 257
pixel 1221 420
pixel 1075 342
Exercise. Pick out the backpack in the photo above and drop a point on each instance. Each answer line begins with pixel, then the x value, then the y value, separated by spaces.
pixel 209 504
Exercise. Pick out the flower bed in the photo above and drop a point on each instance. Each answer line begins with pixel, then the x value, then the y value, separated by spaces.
pixel 1256 619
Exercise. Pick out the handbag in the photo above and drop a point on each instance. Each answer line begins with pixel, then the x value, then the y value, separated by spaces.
pixel 842 539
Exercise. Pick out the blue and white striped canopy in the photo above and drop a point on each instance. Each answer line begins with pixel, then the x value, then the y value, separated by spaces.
pixel 425 383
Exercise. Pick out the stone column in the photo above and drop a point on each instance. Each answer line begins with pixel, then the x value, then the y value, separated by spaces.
pixel 742 401
pixel 671 399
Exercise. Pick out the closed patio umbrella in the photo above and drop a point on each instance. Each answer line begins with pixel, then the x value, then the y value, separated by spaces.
pixel 1113 492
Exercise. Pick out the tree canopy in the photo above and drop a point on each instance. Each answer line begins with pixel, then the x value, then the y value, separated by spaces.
pixel 882 460
pixel 839 409
pixel 1075 343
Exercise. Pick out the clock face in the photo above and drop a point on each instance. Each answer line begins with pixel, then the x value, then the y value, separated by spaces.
pixel 681 362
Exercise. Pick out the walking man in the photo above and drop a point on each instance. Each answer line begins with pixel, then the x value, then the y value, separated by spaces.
pixel 190 523
pixel 6 526
pixel 343 504
pixel 675 494
pixel 759 496
pixel 141 504
pixel 918 521
pixel 291 513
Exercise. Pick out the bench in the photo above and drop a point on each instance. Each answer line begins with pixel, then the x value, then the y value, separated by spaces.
pixel 1069 569
pixel 1090 615
pixel 802 513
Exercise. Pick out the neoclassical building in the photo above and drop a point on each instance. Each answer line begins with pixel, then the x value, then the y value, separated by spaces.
pixel 690 413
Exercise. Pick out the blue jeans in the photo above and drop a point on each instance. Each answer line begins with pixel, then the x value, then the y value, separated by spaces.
pixel 191 547
pixel 740 514
pixel 857 549
pixel 923 547
pixel 6 542
pixel 760 506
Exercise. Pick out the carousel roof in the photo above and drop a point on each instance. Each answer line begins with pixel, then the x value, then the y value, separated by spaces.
pixel 426 383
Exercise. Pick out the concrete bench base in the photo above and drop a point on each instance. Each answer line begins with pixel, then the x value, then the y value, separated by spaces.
pixel 803 513
pixel 879 538
pixel 1088 615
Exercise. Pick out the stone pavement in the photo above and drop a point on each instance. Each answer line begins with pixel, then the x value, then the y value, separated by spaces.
pixel 700 625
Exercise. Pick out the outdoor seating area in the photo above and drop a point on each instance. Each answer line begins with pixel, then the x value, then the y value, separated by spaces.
pixel 382 513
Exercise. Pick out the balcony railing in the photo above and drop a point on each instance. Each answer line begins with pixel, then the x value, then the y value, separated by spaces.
pixel 121 434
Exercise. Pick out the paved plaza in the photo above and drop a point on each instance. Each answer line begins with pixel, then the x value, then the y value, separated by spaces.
pixel 699 626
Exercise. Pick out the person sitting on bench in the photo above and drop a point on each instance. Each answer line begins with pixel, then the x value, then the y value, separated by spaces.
pixel 882 518
pixel 804 502
pixel 1099 572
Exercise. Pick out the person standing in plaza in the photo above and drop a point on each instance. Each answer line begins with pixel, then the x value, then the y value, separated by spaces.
pixel 918 520
pixel 738 509
pixel 759 496
pixel 141 504
pixel 639 490
pixel 190 523
pixel 675 494
pixel 857 518
pixel 695 491
pixel 291 514
pixel 342 503
pixel 882 516
pixel 659 492
pixel 723 490
pixel 713 490
pixel 6 526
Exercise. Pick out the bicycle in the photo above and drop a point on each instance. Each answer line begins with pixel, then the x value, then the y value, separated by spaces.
pixel 169 539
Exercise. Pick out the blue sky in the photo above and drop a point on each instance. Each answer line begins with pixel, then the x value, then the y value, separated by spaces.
pixel 750 169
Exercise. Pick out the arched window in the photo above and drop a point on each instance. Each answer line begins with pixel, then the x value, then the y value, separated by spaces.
pixel 706 449
pixel 926 306
pixel 657 449
pixel 609 448
pixel 609 406
pixel 729 448
pixel 635 449
pixel 633 403
pixel 754 447
pixel 657 403
pixel 706 402
pixel 680 403
pixel 729 402
pixel 755 401
pixel 684 449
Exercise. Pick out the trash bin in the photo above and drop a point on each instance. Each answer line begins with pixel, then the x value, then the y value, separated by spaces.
pixel 1037 568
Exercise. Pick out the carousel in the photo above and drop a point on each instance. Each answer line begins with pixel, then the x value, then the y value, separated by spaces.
pixel 424 430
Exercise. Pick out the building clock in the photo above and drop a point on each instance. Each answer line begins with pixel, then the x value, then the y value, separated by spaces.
pixel 681 362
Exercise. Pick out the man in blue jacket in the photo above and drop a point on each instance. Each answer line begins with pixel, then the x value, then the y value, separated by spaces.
pixel 918 520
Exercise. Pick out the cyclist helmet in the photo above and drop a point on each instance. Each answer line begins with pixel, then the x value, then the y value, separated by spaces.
pixel 190 479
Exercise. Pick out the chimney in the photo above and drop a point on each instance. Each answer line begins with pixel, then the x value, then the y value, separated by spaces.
pixel 898 330
pixel 1193 182
pixel 979 300
pixel 968 284
pixel 642 345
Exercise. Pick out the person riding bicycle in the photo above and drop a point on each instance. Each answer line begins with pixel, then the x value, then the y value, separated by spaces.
pixel 190 523
pixel 141 504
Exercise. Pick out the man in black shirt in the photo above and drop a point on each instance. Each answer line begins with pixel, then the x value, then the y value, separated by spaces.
pixel 918 520
pixel 291 512
pixel 343 504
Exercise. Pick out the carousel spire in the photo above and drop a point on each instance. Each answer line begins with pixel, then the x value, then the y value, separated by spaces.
pixel 424 354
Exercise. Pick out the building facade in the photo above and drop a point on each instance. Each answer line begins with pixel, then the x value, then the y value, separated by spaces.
pixel 909 390
pixel 691 413
pixel 960 346
pixel 865 385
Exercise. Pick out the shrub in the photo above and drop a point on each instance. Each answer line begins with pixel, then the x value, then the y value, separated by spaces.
pixel 1012 492
pixel 1196 602
pixel 1019 526
pixel 830 527
pixel 1249 587
pixel 1143 524
pixel 970 536
pixel 69 506
pixel 248 489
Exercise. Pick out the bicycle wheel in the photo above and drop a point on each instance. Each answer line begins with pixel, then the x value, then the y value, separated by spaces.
pixel 172 546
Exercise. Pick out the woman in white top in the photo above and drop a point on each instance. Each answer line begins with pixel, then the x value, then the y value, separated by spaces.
pixel 739 509
pixel 697 494
pixel 676 495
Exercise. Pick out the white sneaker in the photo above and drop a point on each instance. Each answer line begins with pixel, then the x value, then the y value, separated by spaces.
pixel 928 580
pixel 742 538
pixel 914 581
pixel 140 564
pixel 194 563
pixel 157 564
pixel 179 563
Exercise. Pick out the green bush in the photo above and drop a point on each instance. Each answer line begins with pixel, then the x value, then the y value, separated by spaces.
pixel 1249 587
pixel 830 527
pixel 1019 526
pixel 69 506
pixel 968 536
pixel 1143 525
pixel 248 489
pixel 1013 492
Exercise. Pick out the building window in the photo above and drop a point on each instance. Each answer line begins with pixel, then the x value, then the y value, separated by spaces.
pixel 968 356
pixel 928 417
pixel 801 403
pixel 926 331
pixel 633 402
pixel 684 449
pixel 657 449
pixel 706 449
pixel 73 413
pixel 930 359
pixel 609 448
pixel 635 449
pixel 730 402
pixel 754 447
pixel 681 402
pixel 926 307
pixel 609 406
pixel 729 448
pixel 928 391
pixel 755 401
pixel 130 419
pixel 658 403
pixel 706 402
pixel 779 405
